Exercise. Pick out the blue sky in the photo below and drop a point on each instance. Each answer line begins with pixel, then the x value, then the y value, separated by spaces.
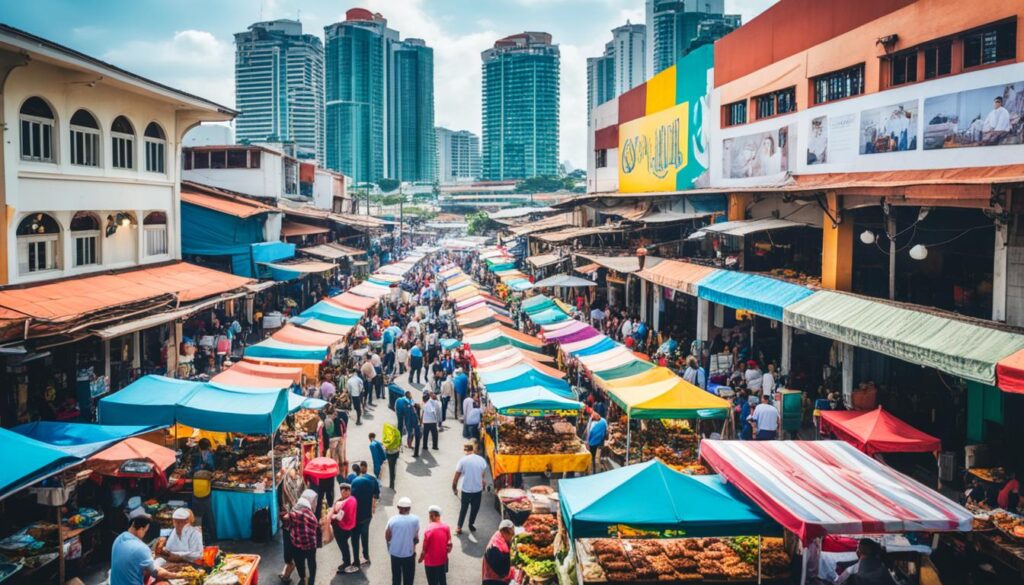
pixel 188 43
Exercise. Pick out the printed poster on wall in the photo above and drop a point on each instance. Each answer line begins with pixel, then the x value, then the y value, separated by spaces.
pixel 653 149
pixel 988 116
pixel 832 139
pixel 762 155
pixel 889 129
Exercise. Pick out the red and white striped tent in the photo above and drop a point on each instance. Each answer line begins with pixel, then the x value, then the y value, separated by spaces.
pixel 814 488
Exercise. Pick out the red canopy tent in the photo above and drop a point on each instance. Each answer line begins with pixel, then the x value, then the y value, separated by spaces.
pixel 877 431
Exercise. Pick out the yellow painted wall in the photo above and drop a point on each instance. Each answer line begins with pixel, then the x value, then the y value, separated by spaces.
pixel 661 91
pixel 653 149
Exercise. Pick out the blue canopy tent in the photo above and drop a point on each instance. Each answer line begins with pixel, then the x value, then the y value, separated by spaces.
pixel 80 439
pixel 522 376
pixel 150 399
pixel 536 304
pixel 297 403
pixel 652 496
pixel 27 461
pixel 549 316
pixel 532 401
pixel 751 292
pixel 278 350
pixel 599 347
pixel 229 409
pixel 332 314
pixel 450 344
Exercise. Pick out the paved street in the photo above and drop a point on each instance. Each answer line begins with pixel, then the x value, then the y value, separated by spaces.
pixel 426 481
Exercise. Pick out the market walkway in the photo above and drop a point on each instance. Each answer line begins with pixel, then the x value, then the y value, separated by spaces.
pixel 426 481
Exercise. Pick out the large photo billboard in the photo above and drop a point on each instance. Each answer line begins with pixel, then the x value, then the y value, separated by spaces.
pixel 988 116
pixel 889 128
pixel 764 154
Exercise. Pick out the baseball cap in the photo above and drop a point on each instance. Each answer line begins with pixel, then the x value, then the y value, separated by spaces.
pixel 404 502
pixel 139 512
pixel 435 509
pixel 506 524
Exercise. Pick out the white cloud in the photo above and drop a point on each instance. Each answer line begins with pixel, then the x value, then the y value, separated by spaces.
pixel 191 60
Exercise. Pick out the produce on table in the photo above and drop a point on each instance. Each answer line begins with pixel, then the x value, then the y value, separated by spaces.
pixel 684 560
pixel 535 438
pixel 674 442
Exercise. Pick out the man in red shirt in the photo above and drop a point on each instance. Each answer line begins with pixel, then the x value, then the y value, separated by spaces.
pixel 437 543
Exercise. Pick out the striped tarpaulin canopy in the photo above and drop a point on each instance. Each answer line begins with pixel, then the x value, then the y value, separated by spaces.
pixel 814 488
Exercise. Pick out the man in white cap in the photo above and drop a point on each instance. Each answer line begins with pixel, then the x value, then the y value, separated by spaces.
pixel 497 565
pixel 402 535
pixel 185 543
pixel 437 544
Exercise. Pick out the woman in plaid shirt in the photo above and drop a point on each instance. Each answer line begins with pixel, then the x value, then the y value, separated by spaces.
pixel 303 528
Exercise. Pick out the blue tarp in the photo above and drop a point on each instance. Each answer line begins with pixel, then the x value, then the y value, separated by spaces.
pixel 450 344
pixel 531 399
pixel 751 292
pixel 325 311
pixel 522 376
pixel 150 400
pixel 296 403
pixel 233 511
pixel 79 439
pixel 549 316
pixel 599 347
pixel 273 349
pixel 272 252
pixel 26 461
pixel 653 496
pixel 211 233
pixel 228 409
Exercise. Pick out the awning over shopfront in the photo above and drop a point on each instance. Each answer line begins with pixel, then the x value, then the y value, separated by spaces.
pixel 536 304
pixel 544 260
pixel 572 233
pixel 296 268
pixel 80 439
pixel 751 292
pixel 620 264
pixel 953 345
pixel 303 336
pixel 368 289
pixel 357 303
pixel 270 349
pixel 295 228
pixel 150 399
pixel 27 461
pixel 654 497
pixel 565 280
pixel 877 431
pixel 676 275
pixel 513 212
pixel 541 225
pixel 814 488
pixel 745 227
pixel 332 251
pixel 225 203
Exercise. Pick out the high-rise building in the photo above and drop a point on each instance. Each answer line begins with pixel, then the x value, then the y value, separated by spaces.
pixel 380 101
pixel 676 27
pixel 520 107
pixel 621 68
pixel 279 86
pixel 411 96
pixel 458 156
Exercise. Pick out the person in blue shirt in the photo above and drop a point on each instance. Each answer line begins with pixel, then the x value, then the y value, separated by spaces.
pixel 203 459
pixel 461 381
pixel 448 364
pixel 415 362
pixel 130 558
pixel 596 433
pixel 746 407
pixel 402 406
pixel 377 454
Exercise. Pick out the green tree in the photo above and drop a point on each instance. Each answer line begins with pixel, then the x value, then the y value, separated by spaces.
pixel 394 199
pixel 388 185
pixel 476 223
pixel 540 185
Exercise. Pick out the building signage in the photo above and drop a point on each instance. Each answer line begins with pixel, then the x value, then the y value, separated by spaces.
pixel 989 116
pixel 764 155
pixel 653 149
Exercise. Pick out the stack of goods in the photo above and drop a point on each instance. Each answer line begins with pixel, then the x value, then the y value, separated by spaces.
pixel 233 570
pixel 674 442
pixel 535 547
pixel 682 560
pixel 535 438
pixel 83 518
pixel 1009 524
pixel 245 473
pixel 32 546
pixel 796 276
pixel 307 420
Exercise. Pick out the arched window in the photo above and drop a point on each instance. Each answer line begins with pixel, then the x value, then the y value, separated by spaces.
pixel 85 229
pixel 155 227
pixel 122 143
pixel 85 139
pixel 38 243
pixel 37 122
pixel 156 143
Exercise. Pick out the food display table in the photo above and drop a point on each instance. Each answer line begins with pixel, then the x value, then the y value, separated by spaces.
pixel 233 510
pixel 234 569
pixel 504 463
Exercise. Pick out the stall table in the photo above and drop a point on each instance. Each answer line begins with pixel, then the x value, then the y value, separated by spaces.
pixel 504 463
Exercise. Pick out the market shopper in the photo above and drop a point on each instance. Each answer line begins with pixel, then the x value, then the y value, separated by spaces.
pixel 304 532
pixel 754 377
pixel 597 430
pixel 377 454
pixel 343 523
pixel 369 374
pixel 355 392
pixel 437 545
pixel 402 406
pixel 869 568
pixel 695 374
pixel 130 558
pixel 392 441
pixel 497 563
pixel 431 419
pixel 415 363
pixel 471 428
pixel 366 491
pixel 765 420
pixel 461 381
pixel 447 395
pixel 472 470
pixel 402 535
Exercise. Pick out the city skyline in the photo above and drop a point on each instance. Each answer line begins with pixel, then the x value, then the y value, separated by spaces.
pixel 189 44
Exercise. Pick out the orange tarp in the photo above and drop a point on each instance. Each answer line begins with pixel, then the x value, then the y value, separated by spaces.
pixel 136 448
pixel 268 376
pixel 309 370
pixel 302 336
pixel 681 276
pixel 1010 373
pixel 67 299
pixel 294 228
pixel 235 206
pixel 353 302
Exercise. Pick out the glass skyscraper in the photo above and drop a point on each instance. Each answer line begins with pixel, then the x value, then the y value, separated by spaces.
pixel 520 107
pixel 458 155
pixel 621 68
pixel 379 101
pixel 676 27
pixel 279 86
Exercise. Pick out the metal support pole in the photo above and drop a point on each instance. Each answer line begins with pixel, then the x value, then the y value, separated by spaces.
pixel 890 228
pixel 629 433
pixel 760 544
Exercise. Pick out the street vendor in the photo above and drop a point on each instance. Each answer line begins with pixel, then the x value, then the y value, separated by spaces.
pixel 130 558
pixel 185 543
pixel 203 459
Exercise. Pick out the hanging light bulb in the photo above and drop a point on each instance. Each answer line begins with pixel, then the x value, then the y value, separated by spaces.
pixel 919 252
pixel 868 237
pixel 126 221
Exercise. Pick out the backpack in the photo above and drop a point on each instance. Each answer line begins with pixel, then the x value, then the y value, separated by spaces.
pixel 262 531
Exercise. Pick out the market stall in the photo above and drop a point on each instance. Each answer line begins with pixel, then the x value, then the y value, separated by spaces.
pixel 877 431
pixel 648 522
